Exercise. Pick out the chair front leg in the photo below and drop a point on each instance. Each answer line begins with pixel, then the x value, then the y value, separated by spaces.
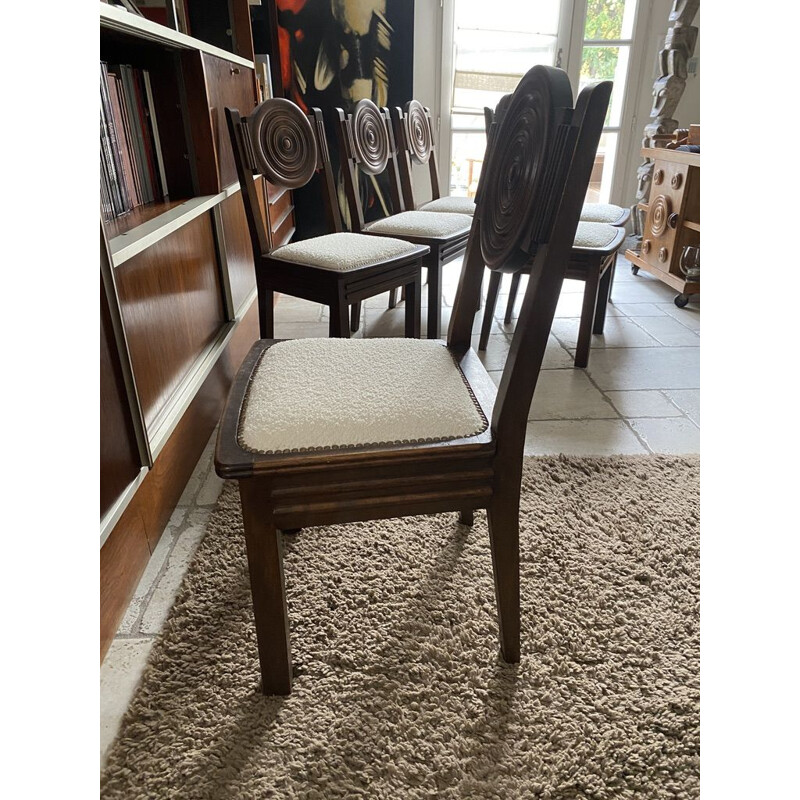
pixel 266 313
pixel 265 563
pixel 512 297
pixel 488 312
pixel 587 315
pixel 355 316
pixel 340 319
pixel 604 297
pixel 434 267
pixel 503 518
pixel 413 293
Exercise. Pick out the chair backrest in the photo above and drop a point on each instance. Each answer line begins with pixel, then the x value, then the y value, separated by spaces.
pixel 287 147
pixel 413 132
pixel 538 163
pixel 367 145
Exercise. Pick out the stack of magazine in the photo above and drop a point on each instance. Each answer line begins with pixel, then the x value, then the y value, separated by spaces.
pixel 131 163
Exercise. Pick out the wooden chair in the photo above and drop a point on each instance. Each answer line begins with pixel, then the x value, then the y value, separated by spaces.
pixel 413 134
pixel 599 236
pixel 438 436
pixel 337 269
pixel 366 144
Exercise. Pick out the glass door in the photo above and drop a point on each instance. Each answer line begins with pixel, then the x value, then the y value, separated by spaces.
pixel 490 45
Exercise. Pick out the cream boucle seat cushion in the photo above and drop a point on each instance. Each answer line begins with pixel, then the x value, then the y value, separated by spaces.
pixel 324 394
pixel 453 205
pixel 422 223
pixel 343 252
pixel 595 235
pixel 602 212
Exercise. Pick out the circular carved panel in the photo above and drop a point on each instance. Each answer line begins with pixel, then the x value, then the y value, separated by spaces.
pixel 513 175
pixel 658 177
pixel 646 246
pixel 284 144
pixel 370 140
pixel 677 180
pixel 663 254
pixel 660 210
pixel 418 132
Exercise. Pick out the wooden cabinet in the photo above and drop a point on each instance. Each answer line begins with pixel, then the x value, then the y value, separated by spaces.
pixel 672 220
pixel 178 292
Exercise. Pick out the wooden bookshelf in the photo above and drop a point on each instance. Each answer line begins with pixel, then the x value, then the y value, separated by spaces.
pixel 178 291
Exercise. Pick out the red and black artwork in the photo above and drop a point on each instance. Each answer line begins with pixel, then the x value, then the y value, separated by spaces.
pixel 333 53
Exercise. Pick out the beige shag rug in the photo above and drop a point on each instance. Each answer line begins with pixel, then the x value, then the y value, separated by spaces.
pixel 399 690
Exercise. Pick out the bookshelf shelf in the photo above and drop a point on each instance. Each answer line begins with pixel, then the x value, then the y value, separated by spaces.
pixel 118 19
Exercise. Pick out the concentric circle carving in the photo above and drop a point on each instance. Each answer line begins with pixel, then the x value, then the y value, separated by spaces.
pixel 660 210
pixel 370 140
pixel 284 144
pixel 513 176
pixel 418 132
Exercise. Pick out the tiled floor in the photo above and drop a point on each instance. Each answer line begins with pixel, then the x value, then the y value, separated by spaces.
pixel 639 394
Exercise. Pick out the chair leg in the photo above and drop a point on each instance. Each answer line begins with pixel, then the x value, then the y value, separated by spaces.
pixel 266 314
pixel 434 300
pixel 265 563
pixel 603 298
pixel 488 312
pixel 393 297
pixel 413 295
pixel 512 297
pixel 355 316
pixel 340 322
pixel 587 316
pixel 503 518
pixel 467 517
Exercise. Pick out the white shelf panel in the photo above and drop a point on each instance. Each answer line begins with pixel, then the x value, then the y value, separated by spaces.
pixel 117 18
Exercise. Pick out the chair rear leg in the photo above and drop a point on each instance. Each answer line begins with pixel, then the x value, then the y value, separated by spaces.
pixel 266 313
pixel 413 295
pixel 488 313
pixel 512 297
pixel 503 518
pixel 434 297
pixel 265 563
pixel 603 298
pixel 340 320
pixel 392 297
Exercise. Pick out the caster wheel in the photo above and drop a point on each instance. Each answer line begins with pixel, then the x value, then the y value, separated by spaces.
pixel 681 300
pixel 634 270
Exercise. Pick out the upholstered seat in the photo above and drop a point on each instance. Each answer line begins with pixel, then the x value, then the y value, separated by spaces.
pixel 424 224
pixel 595 235
pixel 322 394
pixel 604 212
pixel 451 205
pixel 341 252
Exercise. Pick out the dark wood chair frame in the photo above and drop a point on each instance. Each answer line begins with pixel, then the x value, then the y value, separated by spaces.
pixel 337 290
pixel 442 249
pixel 316 488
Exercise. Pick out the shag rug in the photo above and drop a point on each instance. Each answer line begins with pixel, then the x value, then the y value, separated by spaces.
pixel 400 691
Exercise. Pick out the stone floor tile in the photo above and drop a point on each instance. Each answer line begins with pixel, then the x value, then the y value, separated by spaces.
pixel 295 309
pixel 301 330
pixel 390 322
pixel 642 290
pixel 601 437
pixel 669 331
pixel 640 309
pixel 618 369
pixel 571 305
pixel 167 587
pixel 209 492
pixel 568 394
pixel 677 435
pixel 645 403
pixel 688 316
pixel 120 674
pixel 688 400
pixel 617 332
pixel 494 356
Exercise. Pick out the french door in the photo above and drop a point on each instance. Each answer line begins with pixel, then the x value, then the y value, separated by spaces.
pixel 489 44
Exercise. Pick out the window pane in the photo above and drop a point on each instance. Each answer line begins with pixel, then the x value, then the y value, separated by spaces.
pixel 466 162
pixel 603 172
pixel 609 19
pixel 540 16
pixel 607 64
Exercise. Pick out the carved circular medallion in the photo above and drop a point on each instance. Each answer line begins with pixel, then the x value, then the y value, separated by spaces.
pixel 646 246
pixel 663 254
pixel 677 180
pixel 658 177
pixel 418 132
pixel 511 185
pixel 660 210
pixel 284 144
pixel 370 140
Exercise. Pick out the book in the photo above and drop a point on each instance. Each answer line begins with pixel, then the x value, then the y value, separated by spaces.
pixel 126 73
pixel 109 148
pixel 122 141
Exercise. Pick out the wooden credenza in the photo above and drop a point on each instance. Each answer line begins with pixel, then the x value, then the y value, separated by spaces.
pixel 178 308
pixel 672 219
